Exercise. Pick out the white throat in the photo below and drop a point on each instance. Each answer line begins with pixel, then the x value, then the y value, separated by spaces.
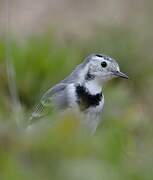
pixel 93 86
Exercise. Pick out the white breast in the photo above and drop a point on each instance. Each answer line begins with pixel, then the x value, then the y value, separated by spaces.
pixel 93 117
pixel 90 117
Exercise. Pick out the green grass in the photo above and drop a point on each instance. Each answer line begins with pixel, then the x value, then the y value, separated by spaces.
pixel 122 146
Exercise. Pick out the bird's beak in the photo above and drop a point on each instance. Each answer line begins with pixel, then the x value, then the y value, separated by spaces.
pixel 120 74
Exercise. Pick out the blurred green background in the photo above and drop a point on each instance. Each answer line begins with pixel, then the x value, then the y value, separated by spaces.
pixel 40 43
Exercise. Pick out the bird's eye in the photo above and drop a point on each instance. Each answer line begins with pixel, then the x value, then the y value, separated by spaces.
pixel 103 64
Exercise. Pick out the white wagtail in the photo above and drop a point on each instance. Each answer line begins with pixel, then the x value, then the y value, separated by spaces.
pixel 81 91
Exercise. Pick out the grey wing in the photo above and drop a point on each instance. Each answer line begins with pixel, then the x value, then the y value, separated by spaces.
pixel 57 95
pixel 50 95
pixel 74 76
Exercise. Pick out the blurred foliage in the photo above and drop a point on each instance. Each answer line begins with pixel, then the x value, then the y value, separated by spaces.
pixel 122 146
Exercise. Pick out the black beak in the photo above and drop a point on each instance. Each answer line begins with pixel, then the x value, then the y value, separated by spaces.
pixel 120 74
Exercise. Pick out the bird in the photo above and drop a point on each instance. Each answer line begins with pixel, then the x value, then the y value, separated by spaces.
pixel 81 91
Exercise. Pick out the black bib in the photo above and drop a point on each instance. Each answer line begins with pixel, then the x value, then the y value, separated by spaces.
pixel 85 99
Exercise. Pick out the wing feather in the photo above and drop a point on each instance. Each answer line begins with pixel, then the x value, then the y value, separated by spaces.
pixel 46 100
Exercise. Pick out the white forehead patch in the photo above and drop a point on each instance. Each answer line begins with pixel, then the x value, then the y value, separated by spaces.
pixel 98 58
pixel 118 68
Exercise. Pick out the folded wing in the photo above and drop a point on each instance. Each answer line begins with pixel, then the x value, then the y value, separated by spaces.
pixel 55 96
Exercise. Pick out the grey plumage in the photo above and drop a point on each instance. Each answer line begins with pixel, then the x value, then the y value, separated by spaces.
pixel 84 84
pixel 59 91
pixel 56 95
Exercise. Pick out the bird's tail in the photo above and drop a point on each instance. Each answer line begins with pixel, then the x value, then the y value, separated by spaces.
pixel 37 113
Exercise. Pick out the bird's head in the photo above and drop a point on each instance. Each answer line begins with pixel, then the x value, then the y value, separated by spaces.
pixel 102 68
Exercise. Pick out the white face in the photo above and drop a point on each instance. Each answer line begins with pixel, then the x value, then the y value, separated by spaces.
pixel 104 68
